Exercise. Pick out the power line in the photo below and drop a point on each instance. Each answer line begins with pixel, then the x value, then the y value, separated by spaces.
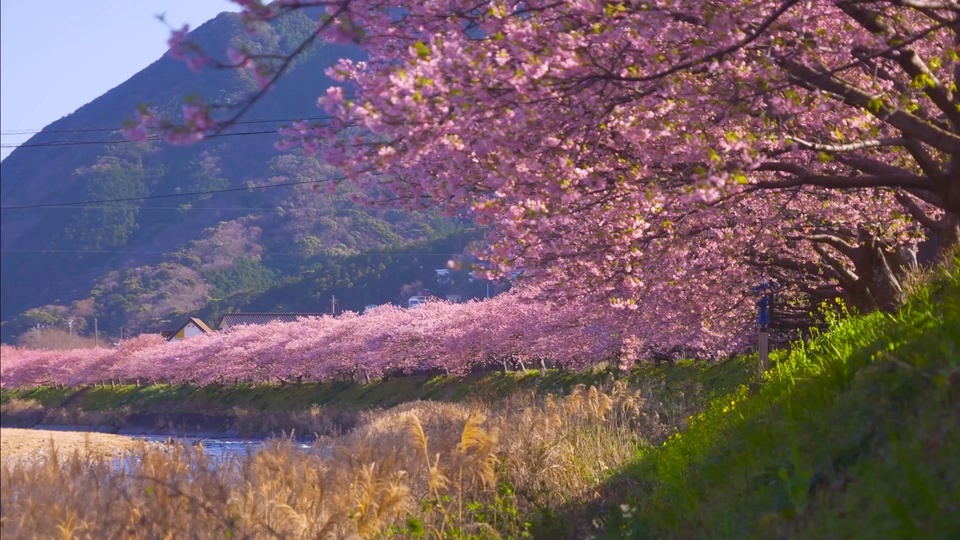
pixel 177 208
pixel 164 196
pixel 121 141
pixel 137 252
pixel 85 251
pixel 96 129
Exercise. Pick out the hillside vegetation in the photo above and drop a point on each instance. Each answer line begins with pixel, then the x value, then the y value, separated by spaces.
pixel 850 435
pixel 227 224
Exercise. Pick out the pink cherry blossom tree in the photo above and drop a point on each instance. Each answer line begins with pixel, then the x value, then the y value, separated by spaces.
pixel 660 155
pixel 438 337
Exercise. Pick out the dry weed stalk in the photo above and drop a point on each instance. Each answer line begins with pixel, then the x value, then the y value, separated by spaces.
pixel 366 483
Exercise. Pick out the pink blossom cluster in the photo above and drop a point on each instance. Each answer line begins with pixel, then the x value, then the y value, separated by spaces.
pixel 196 123
pixel 435 337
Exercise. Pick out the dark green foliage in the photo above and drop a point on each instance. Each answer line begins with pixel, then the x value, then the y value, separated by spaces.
pixel 110 225
pixel 246 275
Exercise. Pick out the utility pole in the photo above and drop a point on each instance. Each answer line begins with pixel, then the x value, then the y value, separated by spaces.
pixel 96 333
pixel 121 333
pixel 333 305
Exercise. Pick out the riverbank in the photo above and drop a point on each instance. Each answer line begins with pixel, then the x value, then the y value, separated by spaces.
pixel 18 444
pixel 331 408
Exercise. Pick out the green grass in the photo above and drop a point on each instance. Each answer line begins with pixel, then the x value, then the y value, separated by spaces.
pixel 381 393
pixel 851 435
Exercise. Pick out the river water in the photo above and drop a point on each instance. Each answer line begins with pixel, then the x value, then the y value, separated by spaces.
pixel 221 448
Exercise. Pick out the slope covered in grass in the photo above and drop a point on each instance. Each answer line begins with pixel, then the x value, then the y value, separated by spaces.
pixel 850 435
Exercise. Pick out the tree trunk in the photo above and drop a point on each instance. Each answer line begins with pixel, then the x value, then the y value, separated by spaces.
pixel 882 280
pixel 878 282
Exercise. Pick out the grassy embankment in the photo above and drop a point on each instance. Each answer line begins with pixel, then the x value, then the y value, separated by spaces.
pixel 331 407
pixel 852 435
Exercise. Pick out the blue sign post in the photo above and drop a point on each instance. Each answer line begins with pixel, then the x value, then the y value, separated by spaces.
pixel 766 290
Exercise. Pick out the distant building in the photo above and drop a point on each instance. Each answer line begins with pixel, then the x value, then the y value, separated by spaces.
pixel 192 328
pixel 229 320
pixel 454 298
pixel 416 301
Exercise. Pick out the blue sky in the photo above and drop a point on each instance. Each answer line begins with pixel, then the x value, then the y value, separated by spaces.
pixel 57 55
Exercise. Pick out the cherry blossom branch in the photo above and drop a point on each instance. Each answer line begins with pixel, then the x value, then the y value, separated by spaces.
pixel 716 55
pixel 907 123
pixel 284 66
pixel 909 60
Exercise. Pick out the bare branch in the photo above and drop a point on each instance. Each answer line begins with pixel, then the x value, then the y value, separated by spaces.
pixel 845 276
pixel 875 143
pixel 249 103
pixel 833 241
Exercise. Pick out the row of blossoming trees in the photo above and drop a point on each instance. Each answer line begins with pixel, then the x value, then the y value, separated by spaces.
pixel 438 337
pixel 659 155
pixel 663 154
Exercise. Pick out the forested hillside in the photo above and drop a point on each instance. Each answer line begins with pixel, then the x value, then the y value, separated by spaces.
pixel 260 228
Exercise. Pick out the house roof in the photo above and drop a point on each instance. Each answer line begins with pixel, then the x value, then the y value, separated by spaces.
pixel 200 324
pixel 233 319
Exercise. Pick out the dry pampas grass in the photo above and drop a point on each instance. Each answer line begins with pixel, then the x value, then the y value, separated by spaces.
pixel 419 468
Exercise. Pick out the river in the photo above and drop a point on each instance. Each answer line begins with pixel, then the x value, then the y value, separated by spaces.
pixel 220 448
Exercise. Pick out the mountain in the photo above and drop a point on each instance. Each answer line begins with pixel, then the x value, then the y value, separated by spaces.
pixel 143 263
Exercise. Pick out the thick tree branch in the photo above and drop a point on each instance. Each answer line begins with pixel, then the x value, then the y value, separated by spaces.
pixel 845 276
pixel 872 166
pixel 837 243
pixel 951 5
pixel 908 60
pixel 804 177
pixel 916 211
pixel 927 163
pixel 927 197
pixel 907 123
